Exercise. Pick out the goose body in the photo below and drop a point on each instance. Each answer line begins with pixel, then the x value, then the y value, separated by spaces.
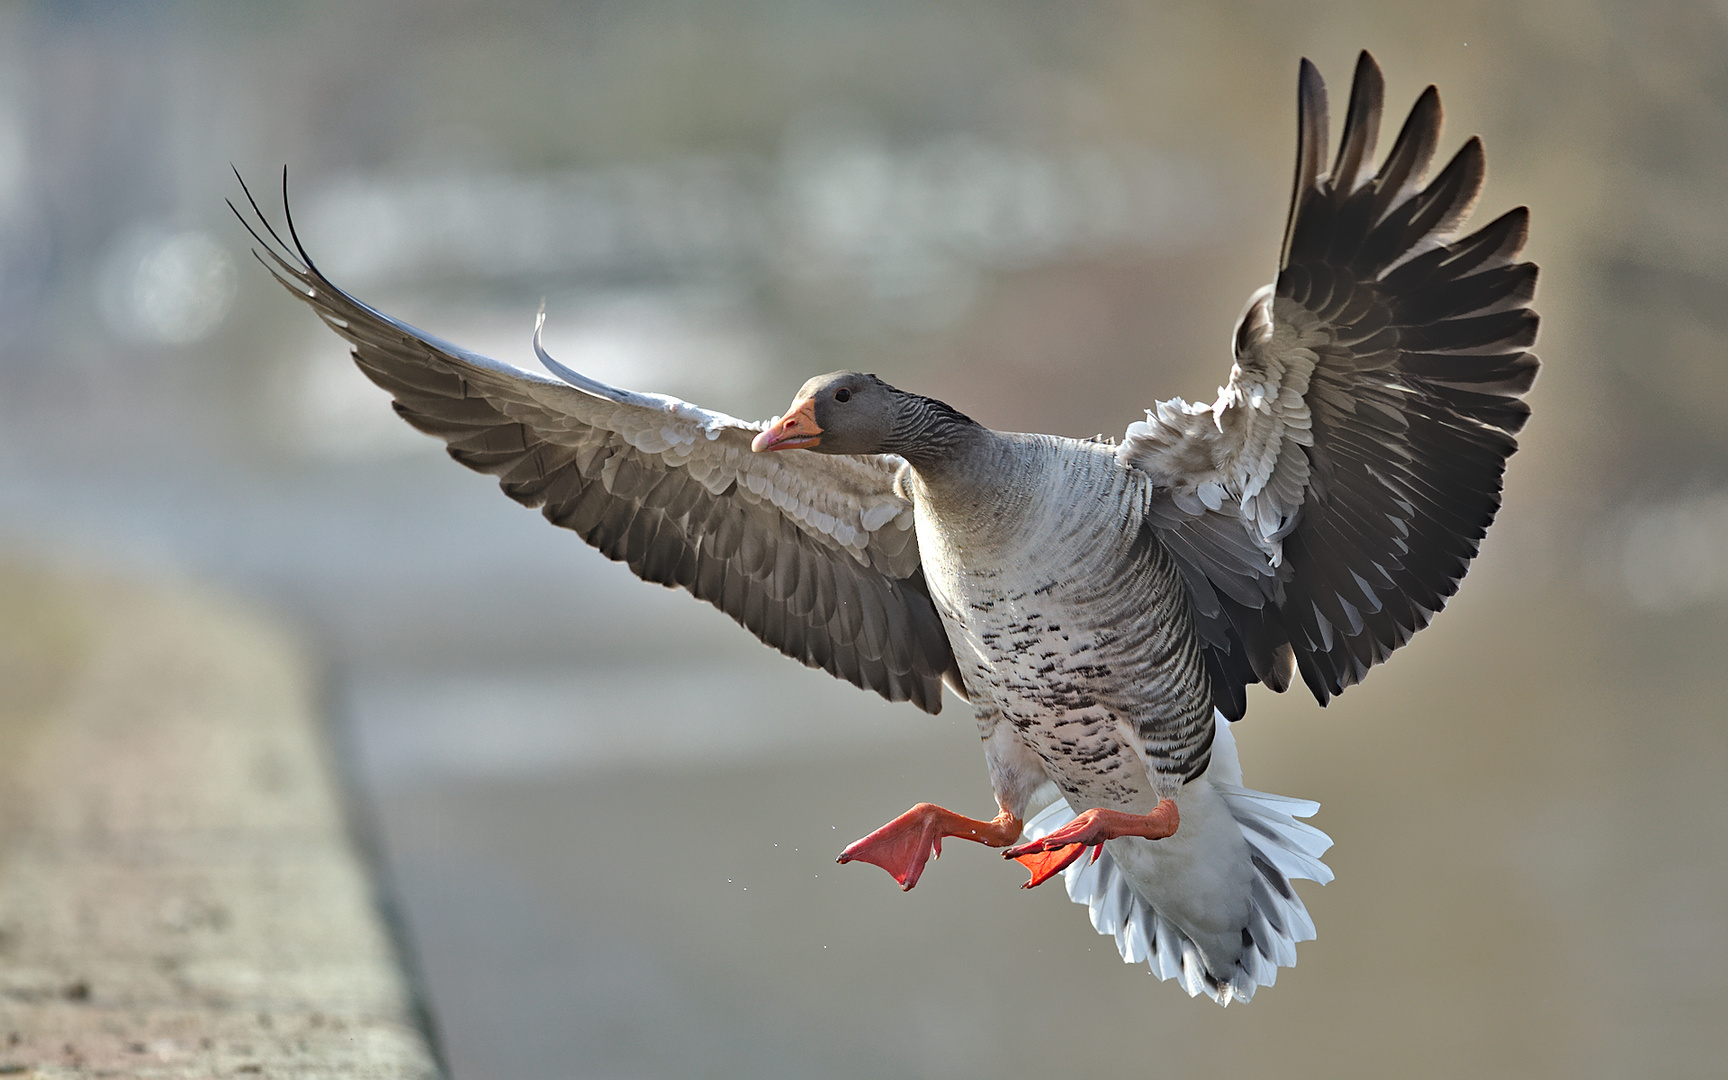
pixel 1101 607
pixel 1072 625
pixel 1075 640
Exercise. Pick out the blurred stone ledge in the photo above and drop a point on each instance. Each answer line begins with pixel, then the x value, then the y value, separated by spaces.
pixel 180 895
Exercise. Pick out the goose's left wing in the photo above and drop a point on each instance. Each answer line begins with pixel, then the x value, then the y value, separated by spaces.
pixel 1330 500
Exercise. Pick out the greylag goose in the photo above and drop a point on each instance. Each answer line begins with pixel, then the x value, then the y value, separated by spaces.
pixel 1101 607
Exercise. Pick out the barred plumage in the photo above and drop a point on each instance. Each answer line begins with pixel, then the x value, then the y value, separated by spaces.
pixel 1087 645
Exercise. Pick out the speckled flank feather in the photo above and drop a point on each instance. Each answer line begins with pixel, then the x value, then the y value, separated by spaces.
pixel 1279 849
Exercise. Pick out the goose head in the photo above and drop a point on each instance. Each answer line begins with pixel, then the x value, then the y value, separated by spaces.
pixel 841 413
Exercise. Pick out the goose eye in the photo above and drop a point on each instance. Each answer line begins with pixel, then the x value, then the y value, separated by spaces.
pixel 842 395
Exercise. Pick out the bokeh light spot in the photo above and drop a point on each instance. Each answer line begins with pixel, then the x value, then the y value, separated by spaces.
pixel 166 287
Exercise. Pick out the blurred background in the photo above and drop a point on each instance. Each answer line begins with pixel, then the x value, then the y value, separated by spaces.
pixel 610 816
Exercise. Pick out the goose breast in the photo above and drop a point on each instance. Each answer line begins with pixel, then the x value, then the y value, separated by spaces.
pixel 1066 614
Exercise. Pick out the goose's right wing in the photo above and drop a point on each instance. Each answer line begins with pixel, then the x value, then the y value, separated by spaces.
pixel 814 554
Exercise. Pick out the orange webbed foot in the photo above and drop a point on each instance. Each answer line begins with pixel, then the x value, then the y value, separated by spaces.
pixel 904 846
pixel 1047 864
pixel 1050 855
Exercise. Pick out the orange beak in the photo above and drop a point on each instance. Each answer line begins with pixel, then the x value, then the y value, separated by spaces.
pixel 796 430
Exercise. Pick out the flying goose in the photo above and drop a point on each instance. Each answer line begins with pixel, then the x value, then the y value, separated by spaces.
pixel 1102 607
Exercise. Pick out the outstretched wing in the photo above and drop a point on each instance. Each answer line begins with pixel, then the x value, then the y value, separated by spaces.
pixel 814 554
pixel 1330 500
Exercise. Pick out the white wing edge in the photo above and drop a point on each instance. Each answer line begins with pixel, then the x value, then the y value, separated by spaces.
pixel 816 502
pixel 710 421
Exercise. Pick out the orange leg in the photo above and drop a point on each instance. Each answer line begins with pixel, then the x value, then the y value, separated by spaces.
pixel 903 846
pixel 1052 854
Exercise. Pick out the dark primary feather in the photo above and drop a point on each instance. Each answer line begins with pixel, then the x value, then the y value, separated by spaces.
pixel 1410 450
pixel 1415 399
pixel 797 591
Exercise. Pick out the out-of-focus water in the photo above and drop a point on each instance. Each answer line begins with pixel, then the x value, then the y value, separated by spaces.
pixel 611 816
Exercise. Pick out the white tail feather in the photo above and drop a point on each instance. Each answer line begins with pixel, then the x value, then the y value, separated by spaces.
pixel 1279 847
